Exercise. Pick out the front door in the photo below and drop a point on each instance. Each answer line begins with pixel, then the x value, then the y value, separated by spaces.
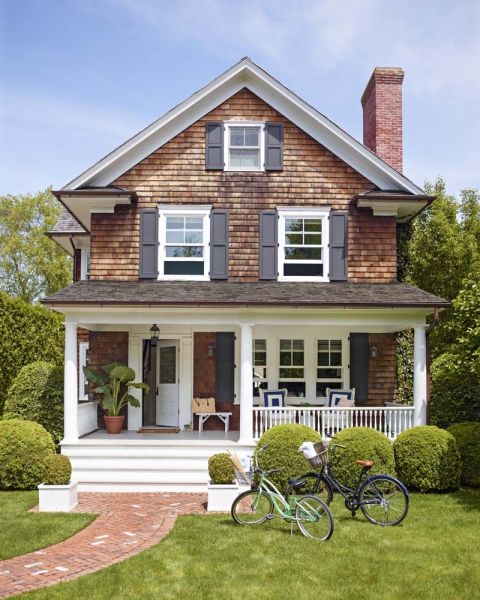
pixel 167 389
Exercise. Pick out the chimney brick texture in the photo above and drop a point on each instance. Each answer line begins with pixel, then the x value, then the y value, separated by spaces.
pixel 382 115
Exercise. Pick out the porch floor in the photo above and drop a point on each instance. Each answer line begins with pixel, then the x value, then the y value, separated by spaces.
pixel 182 438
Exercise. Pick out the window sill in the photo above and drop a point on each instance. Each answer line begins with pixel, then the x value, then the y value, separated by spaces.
pixel 242 170
pixel 184 278
pixel 304 279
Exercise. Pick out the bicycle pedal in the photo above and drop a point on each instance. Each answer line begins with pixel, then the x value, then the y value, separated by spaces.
pixel 270 516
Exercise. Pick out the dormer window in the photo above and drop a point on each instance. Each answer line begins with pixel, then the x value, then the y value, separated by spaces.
pixel 244 147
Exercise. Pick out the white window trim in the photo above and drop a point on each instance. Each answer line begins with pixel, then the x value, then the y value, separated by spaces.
pixel 183 211
pixel 320 213
pixel 226 145
pixel 304 366
pixel 82 361
pixel 84 264
pixel 341 367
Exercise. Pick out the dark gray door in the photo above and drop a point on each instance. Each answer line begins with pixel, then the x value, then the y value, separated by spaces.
pixel 150 377
pixel 225 367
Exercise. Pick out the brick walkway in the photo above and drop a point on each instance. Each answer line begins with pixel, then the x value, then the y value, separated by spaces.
pixel 126 525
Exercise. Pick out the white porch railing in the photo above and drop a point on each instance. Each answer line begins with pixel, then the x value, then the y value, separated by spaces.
pixel 388 420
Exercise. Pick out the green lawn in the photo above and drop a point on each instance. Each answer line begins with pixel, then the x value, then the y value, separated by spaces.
pixel 434 555
pixel 22 532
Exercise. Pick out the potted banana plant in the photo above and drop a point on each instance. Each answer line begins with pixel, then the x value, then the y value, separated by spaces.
pixel 114 385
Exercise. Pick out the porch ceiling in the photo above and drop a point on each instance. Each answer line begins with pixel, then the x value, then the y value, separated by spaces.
pixel 235 294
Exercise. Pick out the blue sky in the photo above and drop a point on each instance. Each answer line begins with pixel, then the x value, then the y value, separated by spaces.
pixel 78 77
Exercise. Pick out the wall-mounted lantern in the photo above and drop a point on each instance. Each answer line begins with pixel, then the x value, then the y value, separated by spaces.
pixel 373 351
pixel 154 334
pixel 210 350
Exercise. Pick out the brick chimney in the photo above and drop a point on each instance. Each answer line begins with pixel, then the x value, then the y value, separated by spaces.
pixel 382 115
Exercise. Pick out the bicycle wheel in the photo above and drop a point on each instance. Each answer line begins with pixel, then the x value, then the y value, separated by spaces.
pixel 323 490
pixel 314 518
pixel 384 500
pixel 252 507
pixel 314 486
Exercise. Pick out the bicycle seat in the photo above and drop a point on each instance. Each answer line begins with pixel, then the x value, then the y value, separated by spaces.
pixel 297 483
pixel 366 464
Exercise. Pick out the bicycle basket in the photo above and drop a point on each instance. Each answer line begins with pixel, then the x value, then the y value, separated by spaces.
pixel 322 458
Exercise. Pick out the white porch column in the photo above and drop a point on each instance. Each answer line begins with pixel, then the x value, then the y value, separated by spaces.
pixel 246 385
pixel 70 398
pixel 420 376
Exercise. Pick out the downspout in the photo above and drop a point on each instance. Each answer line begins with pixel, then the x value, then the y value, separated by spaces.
pixel 434 323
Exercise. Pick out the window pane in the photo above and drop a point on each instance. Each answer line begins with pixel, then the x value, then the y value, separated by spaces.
pixel 294 238
pixel 184 251
pixel 285 358
pixel 323 359
pixel 237 136
pixel 260 344
pixel 285 344
pixel 295 388
pixel 175 222
pixel 336 345
pixel 298 344
pixel 313 225
pixel 194 223
pixel 183 267
pixel 291 372
pixel 251 136
pixel 260 358
pixel 298 358
pixel 168 365
pixel 329 373
pixel 175 237
pixel 194 237
pixel 313 239
pixel 323 385
pixel 335 359
pixel 245 158
pixel 303 270
pixel 293 224
pixel 322 345
pixel 303 253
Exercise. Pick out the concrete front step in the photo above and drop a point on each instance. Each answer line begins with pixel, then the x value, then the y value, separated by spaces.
pixel 146 466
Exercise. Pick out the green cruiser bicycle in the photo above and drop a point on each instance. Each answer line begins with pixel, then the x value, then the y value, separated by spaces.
pixel 264 502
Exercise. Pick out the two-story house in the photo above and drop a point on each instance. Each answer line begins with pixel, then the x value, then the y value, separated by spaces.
pixel 260 239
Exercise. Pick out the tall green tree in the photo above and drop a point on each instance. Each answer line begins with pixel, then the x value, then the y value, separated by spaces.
pixel 31 265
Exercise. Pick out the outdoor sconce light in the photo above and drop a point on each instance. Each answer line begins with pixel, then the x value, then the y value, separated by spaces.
pixel 373 351
pixel 154 334
pixel 210 350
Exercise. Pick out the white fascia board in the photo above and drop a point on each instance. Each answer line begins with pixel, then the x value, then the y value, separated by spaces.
pixel 389 208
pixel 245 74
pixel 83 207
pixel 65 240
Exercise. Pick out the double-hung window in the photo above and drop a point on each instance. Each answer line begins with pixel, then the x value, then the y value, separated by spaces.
pixel 259 366
pixel 244 147
pixel 184 237
pixel 329 366
pixel 291 372
pixel 303 245
pixel 85 264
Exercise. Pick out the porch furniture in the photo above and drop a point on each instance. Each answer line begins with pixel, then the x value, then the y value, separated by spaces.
pixel 273 399
pixel 337 399
pixel 223 416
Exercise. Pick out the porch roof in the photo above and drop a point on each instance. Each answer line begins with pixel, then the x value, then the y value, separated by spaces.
pixel 229 293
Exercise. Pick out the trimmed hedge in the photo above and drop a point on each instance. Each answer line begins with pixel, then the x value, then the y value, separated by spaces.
pixel 24 445
pixel 27 333
pixel 361 443
pixel 282 452
pixel 58 469
pixel 454 399
pixel 220 469
pixel 427 458
pixel 467 436
pixel 36 394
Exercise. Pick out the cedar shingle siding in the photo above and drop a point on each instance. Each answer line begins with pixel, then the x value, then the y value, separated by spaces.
pixel 175 173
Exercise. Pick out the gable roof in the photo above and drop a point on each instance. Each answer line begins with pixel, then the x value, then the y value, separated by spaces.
pixel 245 74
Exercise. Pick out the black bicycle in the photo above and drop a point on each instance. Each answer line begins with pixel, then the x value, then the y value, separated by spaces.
pixel 383 499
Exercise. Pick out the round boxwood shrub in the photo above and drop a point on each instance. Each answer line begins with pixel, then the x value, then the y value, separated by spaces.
pixel 427 458
pixel 58 469
pixel 283 442
pixel 220 469
pixel 467 436
pixel 24 445
pixel 36 394
pixel 361 443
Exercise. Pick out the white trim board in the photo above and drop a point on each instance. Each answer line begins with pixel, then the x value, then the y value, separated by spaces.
pixel 245 74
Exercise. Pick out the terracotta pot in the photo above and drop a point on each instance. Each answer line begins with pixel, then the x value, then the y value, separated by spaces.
pixel 113 424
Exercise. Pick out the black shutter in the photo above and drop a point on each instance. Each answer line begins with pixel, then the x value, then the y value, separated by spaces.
pixel 214 146
pixel 338 246
pixel 149 243
pixel 225 367
pixel 273 146
pixel 268 244
pixel 219 244
pixel 359 359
